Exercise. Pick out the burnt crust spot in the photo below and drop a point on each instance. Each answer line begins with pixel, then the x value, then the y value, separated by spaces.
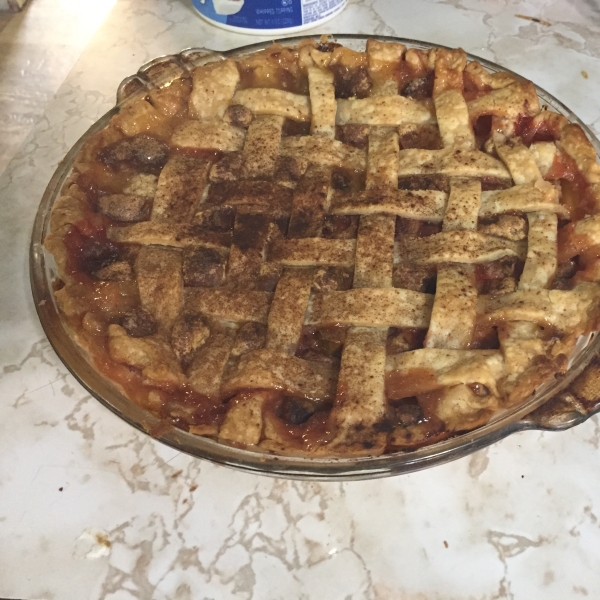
pixel 332 279
pixel 238 116
pixel 125 208
pixel 91 254
pixel 143 152
pixel 293 128
pixel 348 84
pixel 227 168
pixel 295 411
pixel 203 267
pixel 438 182
pixel 327 46
pixel 219 220
pixel 139 323
pixel 288 169
pixel 426 137
pixel 353 134
pixel 340 227
pixel 341 179
pixel 408 412
pixel 419 89
pixel 489 183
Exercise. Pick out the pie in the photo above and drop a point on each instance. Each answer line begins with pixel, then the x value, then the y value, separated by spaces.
pixel 314 251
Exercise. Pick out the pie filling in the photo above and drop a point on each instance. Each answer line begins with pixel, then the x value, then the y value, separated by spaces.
pixel 317 251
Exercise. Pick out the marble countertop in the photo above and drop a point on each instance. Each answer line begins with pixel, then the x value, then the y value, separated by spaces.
pixel 92 509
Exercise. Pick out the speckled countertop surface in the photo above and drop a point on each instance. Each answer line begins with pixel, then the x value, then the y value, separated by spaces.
pixel 92 509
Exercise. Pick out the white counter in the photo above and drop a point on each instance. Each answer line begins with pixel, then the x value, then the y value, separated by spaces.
pixel 92 509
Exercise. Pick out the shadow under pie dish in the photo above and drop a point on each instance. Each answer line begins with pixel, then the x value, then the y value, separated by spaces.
pixel 318 259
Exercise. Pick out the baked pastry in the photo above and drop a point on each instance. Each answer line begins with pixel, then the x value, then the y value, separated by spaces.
pixel 311 250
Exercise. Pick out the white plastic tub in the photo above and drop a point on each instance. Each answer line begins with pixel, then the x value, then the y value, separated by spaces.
pixel 260 17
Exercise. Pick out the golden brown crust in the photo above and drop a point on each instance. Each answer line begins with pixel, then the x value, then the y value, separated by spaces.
pixel 160 283
pixel 213 87
pixel 153 356
pixel 206 371
pixel 180 188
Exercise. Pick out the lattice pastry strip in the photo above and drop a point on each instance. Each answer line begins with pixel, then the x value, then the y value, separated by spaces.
pixel 375 242
pixel 534 196
pixel 581 234
pixel 451 366
pixel 271 101
pixel 390 111
pixel 243 423
pixel 309 203
pixel 455 306
pixel 206 370
pixel 453 120
pixel 361 385
pixel 382 58
pixel 286 316
pixel 520 162
pixel 575 144
pixel 312 252
pixel 152 355
pixel 160 283
pixel 322 102
pixel 383 154
pixel 208 135
pixel 508 102
pixel 452 162
pixel 374 252
pixel 263 198
pixel 272 370
pixel 468 247
pixel 166 233
pixel 262 147
pixel 450 107
pixel 361 390
pixel 231 305
pixel 563 309
pixel 544 154
pixel 454 309
pixel 420 205
pixel 464 205
pixel 323 151
pixel 181 185
pixel 213 88
pixel 541 262
pixel 371 307
pixel 539 269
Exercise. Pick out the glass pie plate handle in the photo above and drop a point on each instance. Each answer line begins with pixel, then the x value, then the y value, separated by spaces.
pixel 557 405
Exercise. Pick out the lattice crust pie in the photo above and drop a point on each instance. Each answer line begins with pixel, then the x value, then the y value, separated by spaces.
pixel 323 252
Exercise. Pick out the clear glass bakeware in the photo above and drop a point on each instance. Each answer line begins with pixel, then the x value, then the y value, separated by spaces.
pixel 552 407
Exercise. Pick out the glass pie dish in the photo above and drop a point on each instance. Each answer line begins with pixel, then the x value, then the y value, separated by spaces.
pixel 557 404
